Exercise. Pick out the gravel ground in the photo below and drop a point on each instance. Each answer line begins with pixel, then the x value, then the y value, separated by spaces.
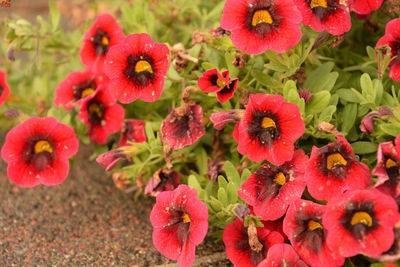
pixel 85 221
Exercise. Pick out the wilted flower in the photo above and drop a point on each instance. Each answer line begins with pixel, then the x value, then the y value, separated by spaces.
pixel 183 127
pixel 305 94
pixel 37 152
pixel 132 130
pixel 367 123
pixel 220 119
pixel 110 159
pixel 162 180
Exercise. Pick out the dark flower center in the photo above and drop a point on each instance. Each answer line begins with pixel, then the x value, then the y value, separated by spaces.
pixel 264 127
pixel 227 88
pixel 243 245
pixel 40 154
pixel 216 81
pixel 309 231
pixel 335 160
pixel 96 112
pixel 42 146
pixel 140 70
pixel 323 8
pixel 82 90
pixel 261 16
pixel 392 170
pixel 101 41
pixel 178 224
pixel 359 218
pixel 1 89
pixel 269 182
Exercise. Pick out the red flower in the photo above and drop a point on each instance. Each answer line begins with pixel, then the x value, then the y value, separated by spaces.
pixel 270 190
pixel 282 255
pixel 393 254
pixel 212 81
pixel 360 221
pixel 303 225
pixel 238 249
pixel 100 112
pixel 37 152
pixel 258 25
pixel 269 128
pixel 136 68
pixel 183 127
pixel 99 38
pixel 387 169
pixel 330 15
pixel 365 6
pixel 180 222
pixel 77 86
pixel 392 38
pixel 132 130
pixel 333 169
pixel 163 180
pixel 4 89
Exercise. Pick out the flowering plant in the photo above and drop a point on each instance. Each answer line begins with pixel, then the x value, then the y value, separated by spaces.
pixel 272 126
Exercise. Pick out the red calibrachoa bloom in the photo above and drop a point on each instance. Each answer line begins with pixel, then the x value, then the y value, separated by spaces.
pixel 333 169
pixel 136 68
pixel 387 169
pixel 4 89
pixel 110 159
pixel 212 81
pixel 77 86
pixel 365 6
pixel 132 130
pixel 282 255
pixel 393 254
pixel 392 38
pixel 183 127
pixel 360 221
pixel 100 112
pixel 37 152
pixel 238 248
pixel 180 222
pixel 270 189
pixel 330 15
pixel 162 180
pixel 99 38
pixel 258 25
pixel 303 226
pixel 269 128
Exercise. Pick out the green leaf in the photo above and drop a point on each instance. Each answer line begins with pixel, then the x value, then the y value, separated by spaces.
pixel 349 116
pixel 149 132
pixel 317 74
pixel 193 183
pixel 208 66
pixel 290 85
pixel 256 219
pixel 326 114
pixel 367 87
pixel 232 193
pixel 222 196
pixel 362 147
pixel 318 102
pixel 390 129
pixel 54 15
pixel 231 173
pixel 222 182
pixel 245 174
pixel 215 204
pixel 233 71
pixel 348 95
pixel 173 74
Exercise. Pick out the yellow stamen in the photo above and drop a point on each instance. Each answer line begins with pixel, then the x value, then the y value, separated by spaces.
pixel 261 16
pixel 185 218
pixel 335 159
pixel 86 92
pixel 221 83
pixel 143 65
pixel 361 217
pixel 390 163
pixel 321 3
pixel 41 146
pixel 267 122
pixel 94 108
pixel 104 40
pixel 280 179
pixel 312 225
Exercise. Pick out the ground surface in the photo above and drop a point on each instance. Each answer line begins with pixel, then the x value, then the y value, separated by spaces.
pixel 83 221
